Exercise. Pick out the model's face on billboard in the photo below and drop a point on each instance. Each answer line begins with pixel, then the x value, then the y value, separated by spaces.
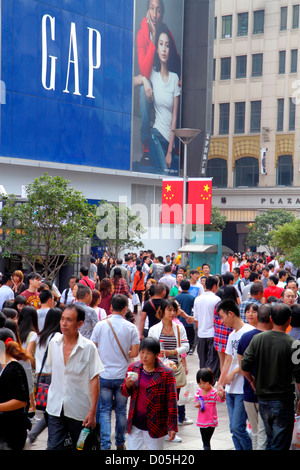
pixel 163 48
pixel 155 12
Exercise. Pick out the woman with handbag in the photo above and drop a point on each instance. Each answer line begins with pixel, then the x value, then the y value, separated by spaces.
pixel 152 389
pixel 174 342
pixel 51 326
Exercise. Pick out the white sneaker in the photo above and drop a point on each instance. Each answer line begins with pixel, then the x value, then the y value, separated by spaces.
pixel 176 439
pixel 185 422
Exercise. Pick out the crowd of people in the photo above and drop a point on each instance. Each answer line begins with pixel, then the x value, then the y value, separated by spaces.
pixel 124 328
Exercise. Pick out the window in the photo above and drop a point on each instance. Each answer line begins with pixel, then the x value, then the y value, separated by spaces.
pixel 242 26
pixel 215 27
pixel 239 120
pixel 295 23
pixel 225 68
pixel 212 119
pixel 281 69
pixel 283 18
pixel 241 66
pixel 214 70
pixel 258 22
pixel 285 170
pixel 217 169
pixel 294 59
pixel 246 172
pixel 227 26
pixel 255 116
pixel 257 65
pixel 280 114
pixel 224 119
pixel 292 111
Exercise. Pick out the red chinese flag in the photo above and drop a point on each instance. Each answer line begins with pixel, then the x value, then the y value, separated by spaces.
pixel 199 201
pixel 172 201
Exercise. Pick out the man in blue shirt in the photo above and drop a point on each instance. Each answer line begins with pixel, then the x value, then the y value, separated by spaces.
pixel 186 301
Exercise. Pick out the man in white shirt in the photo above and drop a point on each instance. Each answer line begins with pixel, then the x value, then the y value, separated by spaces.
pixel 47 302
pixel 117 341
pixel 204 307
pixel 74 389
pixel 231 375
pixel 167 279
pixel 6 292
pixel 67 296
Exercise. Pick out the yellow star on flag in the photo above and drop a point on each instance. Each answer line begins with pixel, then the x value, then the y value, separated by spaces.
pixel 206 188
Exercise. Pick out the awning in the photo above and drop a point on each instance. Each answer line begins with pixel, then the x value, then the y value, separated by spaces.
pixel 198 249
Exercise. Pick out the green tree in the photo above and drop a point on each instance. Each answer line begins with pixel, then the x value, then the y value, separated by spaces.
pixel 264 224
pixel 287 239
pixel 218 221
pixel 118 228
pixel 49 227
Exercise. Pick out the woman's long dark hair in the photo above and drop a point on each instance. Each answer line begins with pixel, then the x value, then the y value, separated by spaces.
pixel 174 63
pixel 28 321
pixel 51 325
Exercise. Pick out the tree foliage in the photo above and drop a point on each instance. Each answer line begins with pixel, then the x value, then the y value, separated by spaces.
pixel 118 228
pixel 218 221
pixel 49 227
pixel 260 232
pixel 287 239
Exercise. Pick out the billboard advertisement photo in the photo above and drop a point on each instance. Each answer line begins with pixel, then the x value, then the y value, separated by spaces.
pixel 157 62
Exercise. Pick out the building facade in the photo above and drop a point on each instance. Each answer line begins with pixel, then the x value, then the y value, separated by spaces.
pixel 254 155
pixel 68 94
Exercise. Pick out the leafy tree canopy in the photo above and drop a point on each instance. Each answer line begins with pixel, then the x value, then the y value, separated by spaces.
pixel 49 227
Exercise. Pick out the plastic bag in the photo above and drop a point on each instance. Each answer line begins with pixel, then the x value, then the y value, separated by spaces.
pixel 296 434
pixel 186 394
pixel 135 299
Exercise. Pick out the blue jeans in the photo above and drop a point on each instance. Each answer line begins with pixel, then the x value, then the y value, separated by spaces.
pixel 237 421
pixel 111 398
pixel 278 418
pixel 158 150
pixel 145 112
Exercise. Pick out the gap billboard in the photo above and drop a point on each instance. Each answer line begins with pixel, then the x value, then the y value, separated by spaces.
pixel 66 67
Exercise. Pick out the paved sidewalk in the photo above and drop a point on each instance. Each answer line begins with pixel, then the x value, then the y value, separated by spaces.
pixel 190 434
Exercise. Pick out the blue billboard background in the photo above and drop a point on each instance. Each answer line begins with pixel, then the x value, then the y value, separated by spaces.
pixel 64 127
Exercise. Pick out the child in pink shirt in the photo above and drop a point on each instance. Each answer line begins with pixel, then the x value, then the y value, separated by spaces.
pixel 206 399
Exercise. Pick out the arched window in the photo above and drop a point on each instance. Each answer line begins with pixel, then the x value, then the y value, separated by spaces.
pixel 246 172
pixel 285 170
pixel 217 169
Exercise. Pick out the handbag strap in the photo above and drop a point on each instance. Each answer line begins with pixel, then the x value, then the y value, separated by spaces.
pixel 178 333
pixel 117 339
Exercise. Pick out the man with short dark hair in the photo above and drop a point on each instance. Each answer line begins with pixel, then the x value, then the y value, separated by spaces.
pixel 273 354
pixel 74 389
pixel 186 301
pixel 47 302
pixel 204 307
pixel 6 292
pixel 151 307
pixel 32 295
pixel 231 377
pixel 167 278
pixel 84 278
pixel 272 289
pixel 84 298
pixel 117 341
pixel 158 268
pixel 256 295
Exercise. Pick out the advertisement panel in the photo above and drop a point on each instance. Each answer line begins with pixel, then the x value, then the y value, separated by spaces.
pixel 66 68
pixel 157 72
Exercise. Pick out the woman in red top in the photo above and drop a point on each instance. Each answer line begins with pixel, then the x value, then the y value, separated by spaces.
pixel 106 295
pixel 138 286
pixel 153 405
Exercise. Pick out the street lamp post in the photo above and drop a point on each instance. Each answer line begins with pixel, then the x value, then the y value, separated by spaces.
pixel 185 135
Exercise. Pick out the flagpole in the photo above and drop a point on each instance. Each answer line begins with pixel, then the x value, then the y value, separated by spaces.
pixel 185 135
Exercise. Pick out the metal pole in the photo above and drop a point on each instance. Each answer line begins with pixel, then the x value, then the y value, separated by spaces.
pixel 184 195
